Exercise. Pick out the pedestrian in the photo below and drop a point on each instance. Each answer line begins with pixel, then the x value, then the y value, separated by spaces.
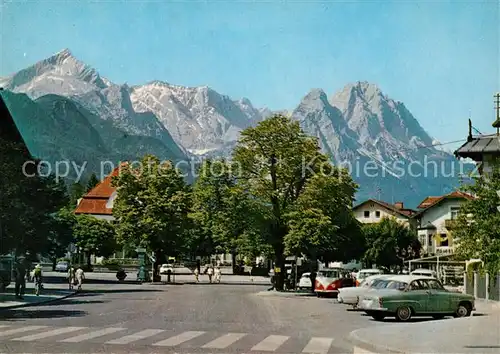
pixel 37 278
pixel 71 277
pixel 196 275
pixel 20 279
pixel 80 276
pixel 210 273
pixel 218 274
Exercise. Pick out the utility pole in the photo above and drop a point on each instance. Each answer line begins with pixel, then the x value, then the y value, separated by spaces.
pixel 496 124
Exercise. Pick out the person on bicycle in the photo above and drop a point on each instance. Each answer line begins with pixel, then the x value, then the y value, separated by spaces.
pixel 37 277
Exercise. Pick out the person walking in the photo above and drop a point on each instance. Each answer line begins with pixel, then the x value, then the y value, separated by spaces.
pixel 80 276
pixel 210 273
pixel 196 275
pixel 20 279
pixel 37 278
pixel 218 274
pixel 71 277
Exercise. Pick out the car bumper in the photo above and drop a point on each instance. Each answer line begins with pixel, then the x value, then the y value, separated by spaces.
pixel 327 291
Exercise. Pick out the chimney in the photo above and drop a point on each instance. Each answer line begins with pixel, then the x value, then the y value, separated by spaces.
pixel 398 205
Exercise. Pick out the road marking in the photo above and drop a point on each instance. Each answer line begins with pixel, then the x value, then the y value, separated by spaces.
pixel 91 335
pixel 19 330
pixel 224 341
pixel 3 326
pixel 52 333
pixel 270 344
pixel 136 336
pixel 179 339
pixel 318 345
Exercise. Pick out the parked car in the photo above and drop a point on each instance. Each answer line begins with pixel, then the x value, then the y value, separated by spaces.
pixel 412 295
pixel 351 295
pixel 424 272
pixel 165 268
pixel 305 281
pixel 330 280
pixel 62 266
pixel 365 273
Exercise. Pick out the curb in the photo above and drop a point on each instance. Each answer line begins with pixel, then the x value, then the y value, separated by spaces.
pixel 361 346
pixel 37 303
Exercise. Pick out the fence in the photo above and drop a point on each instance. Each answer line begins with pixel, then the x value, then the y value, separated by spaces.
pixel 482 286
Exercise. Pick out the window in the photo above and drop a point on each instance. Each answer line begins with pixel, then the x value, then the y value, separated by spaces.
pixel 434 284
pixel 454 212
pixel 444 240
pixel 367 214
pixel 429 240
pixel 377 214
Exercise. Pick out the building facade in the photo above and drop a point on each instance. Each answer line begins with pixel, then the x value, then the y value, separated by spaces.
pixel 373 211
pixel 435 222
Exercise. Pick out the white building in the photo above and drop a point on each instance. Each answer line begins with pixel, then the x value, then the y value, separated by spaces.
pixel 372 211
pixel 435 222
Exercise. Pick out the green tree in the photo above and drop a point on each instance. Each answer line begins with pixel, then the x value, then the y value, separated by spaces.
pixel 76 191
pixel 152 208
pixel 60 235
pixel 94 236
pixel 92 182
pixel 476 231
pixel 390 244
pixel 322 226
pixel 229 220
pixel 276 160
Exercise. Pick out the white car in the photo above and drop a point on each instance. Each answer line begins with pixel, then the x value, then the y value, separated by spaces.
pixel 351 295
pixel 364 273
pixel 62 266
pixel 305 281
pixel 164 269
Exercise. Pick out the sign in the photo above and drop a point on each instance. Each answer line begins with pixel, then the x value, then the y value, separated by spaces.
pixel 277 270
pixel 140 250
pixel 299 261
pixel 171 258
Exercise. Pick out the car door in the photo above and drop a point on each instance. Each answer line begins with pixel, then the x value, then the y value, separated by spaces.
pixel 418 295
pixel 438 298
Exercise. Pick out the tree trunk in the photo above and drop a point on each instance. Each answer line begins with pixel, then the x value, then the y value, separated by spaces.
pixel 233 261
pixel 88 259
pixel 54 262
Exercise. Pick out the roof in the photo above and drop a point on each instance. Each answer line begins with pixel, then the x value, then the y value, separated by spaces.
pixel 431 202
pixel 95 201
pixel 402 211
pixel 478 145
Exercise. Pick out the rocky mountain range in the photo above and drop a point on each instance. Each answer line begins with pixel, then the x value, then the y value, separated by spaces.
pixel 76 114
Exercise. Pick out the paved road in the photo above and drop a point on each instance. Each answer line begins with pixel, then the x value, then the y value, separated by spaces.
pixel 123 318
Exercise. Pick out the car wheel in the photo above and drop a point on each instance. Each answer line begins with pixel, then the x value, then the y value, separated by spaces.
pixel 438 317
pixel 378 316
pixel 463 310
pixel 403 314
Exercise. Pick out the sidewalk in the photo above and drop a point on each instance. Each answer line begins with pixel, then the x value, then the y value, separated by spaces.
pixel 9 301
pixel 477 334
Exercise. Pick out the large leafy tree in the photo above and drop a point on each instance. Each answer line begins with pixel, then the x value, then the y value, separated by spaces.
pixel 276 161
pixel 94 236
pixel 322 226
pixel 152 208
pixel 76 191
pixel 390 244
pixel 28 200
pixel 61 234
pixel 228 219
pixel 476 231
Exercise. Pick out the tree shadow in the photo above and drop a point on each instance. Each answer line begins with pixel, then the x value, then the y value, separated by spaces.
pixel 71 301
pixel 482 346
pixel 63 280
pixel 96 292
pixel 23 314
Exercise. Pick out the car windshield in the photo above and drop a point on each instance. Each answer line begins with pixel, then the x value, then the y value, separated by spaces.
pixel 329 273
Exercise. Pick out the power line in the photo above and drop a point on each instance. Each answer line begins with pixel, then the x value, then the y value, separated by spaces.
pixel 441 144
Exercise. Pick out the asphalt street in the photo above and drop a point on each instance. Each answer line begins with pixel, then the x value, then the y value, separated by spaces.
pixel 204 318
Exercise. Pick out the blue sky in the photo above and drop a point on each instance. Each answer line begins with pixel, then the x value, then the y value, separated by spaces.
pixel 441 58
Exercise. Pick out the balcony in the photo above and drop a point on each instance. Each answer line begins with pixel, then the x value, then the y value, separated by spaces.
pixel 450 224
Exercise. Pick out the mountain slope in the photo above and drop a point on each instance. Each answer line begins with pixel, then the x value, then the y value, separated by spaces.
pixel 389 154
